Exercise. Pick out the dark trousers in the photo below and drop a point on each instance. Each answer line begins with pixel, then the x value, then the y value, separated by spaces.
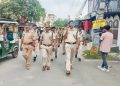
pixel 104 59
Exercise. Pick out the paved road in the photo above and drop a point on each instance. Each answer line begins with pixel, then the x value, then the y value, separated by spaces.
pixel 85 73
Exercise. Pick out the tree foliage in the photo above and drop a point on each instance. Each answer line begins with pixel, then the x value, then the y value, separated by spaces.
pixel 29 9
pixel 60 23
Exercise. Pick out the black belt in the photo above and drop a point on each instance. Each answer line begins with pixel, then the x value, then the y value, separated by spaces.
pixel 71 42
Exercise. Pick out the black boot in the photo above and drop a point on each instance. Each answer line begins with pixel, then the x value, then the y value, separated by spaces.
pixel 34 59
pixel 56 56
pixel 63 53
pixel 68 73
pixel 75 55
pixel 51 59
pixel 79 59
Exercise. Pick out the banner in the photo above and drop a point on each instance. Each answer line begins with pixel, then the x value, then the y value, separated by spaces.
pixel 99 23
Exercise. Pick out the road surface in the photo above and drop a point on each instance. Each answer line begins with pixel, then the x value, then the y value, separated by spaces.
pixel 85 73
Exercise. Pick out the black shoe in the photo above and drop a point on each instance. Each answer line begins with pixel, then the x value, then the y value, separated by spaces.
pixel 34 59
pixel 79 59
pixel 68 73
pixel 56 56
pixel 64 53
pixel 51 59
pixel 76 56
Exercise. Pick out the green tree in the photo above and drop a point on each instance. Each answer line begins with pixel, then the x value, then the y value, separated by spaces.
pixel 30 9
pixel 60 23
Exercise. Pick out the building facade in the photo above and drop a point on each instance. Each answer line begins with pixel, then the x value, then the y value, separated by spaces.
pixel 111 14
pixel 51 18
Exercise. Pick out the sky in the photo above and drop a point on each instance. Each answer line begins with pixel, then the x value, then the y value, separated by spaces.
pixel 63 8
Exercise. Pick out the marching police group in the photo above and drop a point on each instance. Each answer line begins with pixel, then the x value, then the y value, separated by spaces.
pixel 48 42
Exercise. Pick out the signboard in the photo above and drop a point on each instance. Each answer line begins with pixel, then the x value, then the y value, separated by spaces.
pixel 96 40
pixel 97 30
pixel 99 23
pixel 95 44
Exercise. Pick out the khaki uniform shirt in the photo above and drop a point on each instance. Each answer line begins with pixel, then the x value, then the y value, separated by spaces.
pixel 47 37
pixel 56 34
pixel 81 35
pixel 28 37
pixel 35 37
pixel 72 35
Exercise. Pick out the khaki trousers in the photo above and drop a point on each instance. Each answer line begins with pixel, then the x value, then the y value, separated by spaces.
pixel 54 53
pixel 80 50
pixel 27 53
pixel 36 49
pixel 46 55
pixel 70 55
pixel 63 46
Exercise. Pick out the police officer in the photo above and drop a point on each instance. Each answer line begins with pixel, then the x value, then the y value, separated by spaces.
pixel 79 50
pixel 56 40
pixel 63 41
pixel 27 43
pixel 46 44
pixel 36 36
pixel 71 37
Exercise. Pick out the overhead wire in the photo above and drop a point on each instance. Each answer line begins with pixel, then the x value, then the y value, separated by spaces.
pixel 81 8
pixel 73 5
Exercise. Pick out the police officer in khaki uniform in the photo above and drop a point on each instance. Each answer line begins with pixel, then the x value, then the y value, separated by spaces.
pixel 71 37
pixel 56 44
pixel 79 50
pixel 27 43
pixel 36 48
pixel 63 42
pixel 46 44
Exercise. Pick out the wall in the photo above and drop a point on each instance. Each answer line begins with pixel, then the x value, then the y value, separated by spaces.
pixel 114 22
pixel 118 43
